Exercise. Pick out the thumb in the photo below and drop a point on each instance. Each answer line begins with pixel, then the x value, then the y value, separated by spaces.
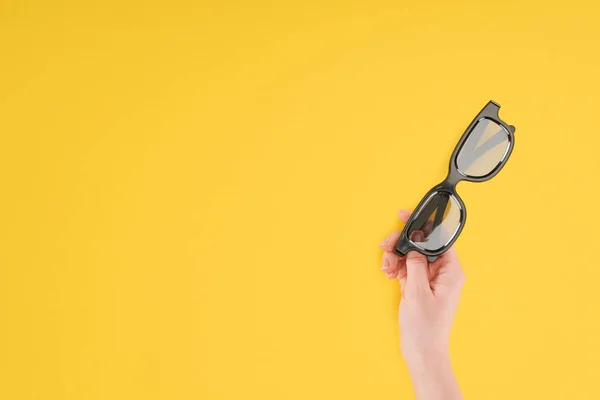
pixel 417 269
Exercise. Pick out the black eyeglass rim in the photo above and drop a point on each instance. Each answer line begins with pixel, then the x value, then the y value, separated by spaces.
pixel 490 111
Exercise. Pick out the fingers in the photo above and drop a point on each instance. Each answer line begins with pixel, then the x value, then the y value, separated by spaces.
pixel 394 265
pixel 428 228
pixel 402 274
pixel 404 215
pixel 448 274
pixel 389 264
pixel 450 266
pixel 417 270
pixel 450 258
pixel 390 241
pixel 413 270
pixel 417 267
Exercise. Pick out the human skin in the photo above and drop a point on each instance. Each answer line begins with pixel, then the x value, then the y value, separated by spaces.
pixel 430 297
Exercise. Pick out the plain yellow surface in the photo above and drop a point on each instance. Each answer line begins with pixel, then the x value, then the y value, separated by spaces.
pixel 193 195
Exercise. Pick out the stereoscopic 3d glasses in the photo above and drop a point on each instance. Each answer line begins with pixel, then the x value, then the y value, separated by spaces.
pixel 439 218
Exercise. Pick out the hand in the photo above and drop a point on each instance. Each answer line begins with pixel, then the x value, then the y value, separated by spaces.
pixel 430 296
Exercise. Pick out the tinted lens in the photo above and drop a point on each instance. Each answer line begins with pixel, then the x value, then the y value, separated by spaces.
pixel 436 223
pixel 485 148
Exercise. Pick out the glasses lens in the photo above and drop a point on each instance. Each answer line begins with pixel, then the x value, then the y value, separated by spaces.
pixel 436 223
pixel 485 148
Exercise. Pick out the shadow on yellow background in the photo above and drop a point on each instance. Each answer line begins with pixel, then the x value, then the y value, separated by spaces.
pixel 193 196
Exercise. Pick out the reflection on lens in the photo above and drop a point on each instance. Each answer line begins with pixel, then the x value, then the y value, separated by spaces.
pixel 436 223
pixel 485 148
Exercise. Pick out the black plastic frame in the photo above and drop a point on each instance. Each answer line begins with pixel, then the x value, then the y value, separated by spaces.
pixel 404 244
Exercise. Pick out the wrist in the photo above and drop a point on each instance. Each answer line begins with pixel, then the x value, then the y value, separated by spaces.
pixel 432 376
pixel 426 361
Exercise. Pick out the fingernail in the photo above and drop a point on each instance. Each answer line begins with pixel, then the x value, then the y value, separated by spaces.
pixel 387 239
pixel 386 264
pixel 417 236
pixel 389 276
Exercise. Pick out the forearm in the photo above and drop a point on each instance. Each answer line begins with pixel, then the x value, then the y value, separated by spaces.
pixel 433 379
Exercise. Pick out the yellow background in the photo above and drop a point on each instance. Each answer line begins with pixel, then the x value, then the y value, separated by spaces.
pixel 193 195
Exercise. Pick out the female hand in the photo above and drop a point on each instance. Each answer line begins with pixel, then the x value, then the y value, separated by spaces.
pixel 430 296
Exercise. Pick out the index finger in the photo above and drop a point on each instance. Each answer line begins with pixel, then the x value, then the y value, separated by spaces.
pixel 390 241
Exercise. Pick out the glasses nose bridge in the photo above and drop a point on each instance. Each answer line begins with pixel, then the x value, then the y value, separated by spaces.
pixel 451 180
pixel 449 185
